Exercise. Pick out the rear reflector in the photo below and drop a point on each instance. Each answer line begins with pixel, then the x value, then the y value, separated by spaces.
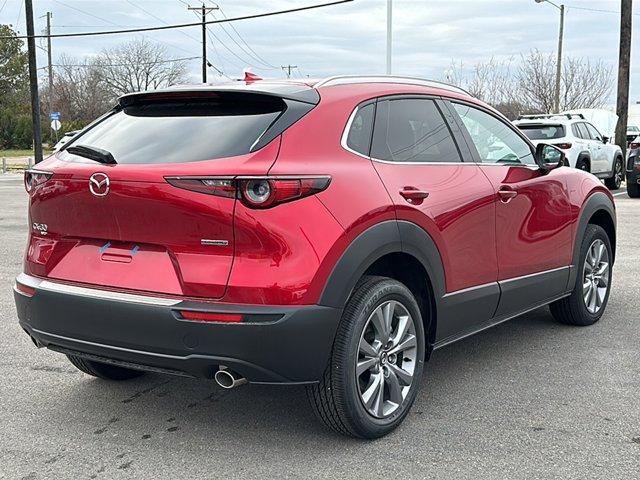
pixel 633 146
pixel 210 316
pixel 25 290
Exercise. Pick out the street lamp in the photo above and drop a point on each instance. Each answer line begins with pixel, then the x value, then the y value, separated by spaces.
pixel 559 62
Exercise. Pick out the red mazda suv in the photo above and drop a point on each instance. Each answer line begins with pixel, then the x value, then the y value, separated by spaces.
pixel 328 233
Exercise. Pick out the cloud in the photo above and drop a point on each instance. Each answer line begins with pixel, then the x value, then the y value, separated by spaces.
pixel 351 38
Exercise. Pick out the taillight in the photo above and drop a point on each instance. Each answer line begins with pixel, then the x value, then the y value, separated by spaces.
pixel 563 146
pixel 633 146
pixel 196 316
pixel 255 192
pixel 222 187
pixel 33 178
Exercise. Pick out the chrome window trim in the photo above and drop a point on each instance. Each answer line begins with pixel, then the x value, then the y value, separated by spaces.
pixel 345 135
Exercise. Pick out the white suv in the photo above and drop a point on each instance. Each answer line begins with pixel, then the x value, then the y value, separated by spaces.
pixel 585 148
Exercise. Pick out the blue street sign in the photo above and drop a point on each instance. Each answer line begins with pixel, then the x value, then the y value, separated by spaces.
pixel 54 115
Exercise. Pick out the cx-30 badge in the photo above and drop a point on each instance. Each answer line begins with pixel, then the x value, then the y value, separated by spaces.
pixel 99 184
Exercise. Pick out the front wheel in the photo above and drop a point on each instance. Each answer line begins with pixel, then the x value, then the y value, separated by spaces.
pixel 590 295
pixel 615 181
pixel 633 190
pixel 376 363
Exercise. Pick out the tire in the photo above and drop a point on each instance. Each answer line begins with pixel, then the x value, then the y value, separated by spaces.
pixel 339 399
pixel 574 309
pixel 633 190
pixel 615 181
pixel 103 370
pixel 583 164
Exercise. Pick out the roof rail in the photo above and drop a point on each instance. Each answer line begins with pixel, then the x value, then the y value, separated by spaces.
pixel 347 79
pixel 570 116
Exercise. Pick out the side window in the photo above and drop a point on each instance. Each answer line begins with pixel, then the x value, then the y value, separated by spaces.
pixel 412 130
pixel 593 133
pixel 495 141
pixel 359 136
pixel 582 128
pixel 576 132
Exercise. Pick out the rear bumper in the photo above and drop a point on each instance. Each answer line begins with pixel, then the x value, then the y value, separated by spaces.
pixel 287 345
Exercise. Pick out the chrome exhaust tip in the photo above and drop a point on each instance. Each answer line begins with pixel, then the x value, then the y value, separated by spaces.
pixel 228 379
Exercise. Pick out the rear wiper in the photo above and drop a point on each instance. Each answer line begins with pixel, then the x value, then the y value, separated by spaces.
pixel 92 153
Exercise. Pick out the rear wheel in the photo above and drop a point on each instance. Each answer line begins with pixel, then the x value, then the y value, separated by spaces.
pixel 103 370
pixel 615 181
pixel 590 295
pixel 633 190
pixel 376 363
pixel 583 164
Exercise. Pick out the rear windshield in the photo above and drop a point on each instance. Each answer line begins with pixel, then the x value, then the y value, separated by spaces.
pixel 542 132
pixel 185 131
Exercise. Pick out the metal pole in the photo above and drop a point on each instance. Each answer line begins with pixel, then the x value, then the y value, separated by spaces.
pixel 622 108
pixel 4 165
pixel 389 36
pixel 204 44
pixel 55 132
pixel 33 83
pixel 559 62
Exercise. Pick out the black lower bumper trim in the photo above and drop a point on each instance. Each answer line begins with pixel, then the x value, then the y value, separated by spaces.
pixel 293 350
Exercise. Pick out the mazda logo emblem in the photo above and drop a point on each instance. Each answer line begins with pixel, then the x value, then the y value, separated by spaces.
pixel 99 184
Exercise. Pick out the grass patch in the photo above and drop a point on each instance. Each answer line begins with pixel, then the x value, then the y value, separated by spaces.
pixel 20 153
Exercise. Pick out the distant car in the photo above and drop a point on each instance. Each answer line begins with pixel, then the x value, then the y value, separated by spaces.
pixel 633 168
pixel 65 138
pixel 632 132
pixel 584 146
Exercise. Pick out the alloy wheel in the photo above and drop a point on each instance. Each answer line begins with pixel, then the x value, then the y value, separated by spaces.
pixel 595 279
pixel 618 174
pixel 387 358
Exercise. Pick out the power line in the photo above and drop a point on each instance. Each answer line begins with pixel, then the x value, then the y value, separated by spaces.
pixel 114 24
pixel 184 25
pixel 598 10
pixel 18 17
pixel 160 19
pixel 3 5
pixel 251 52
pixel 88 65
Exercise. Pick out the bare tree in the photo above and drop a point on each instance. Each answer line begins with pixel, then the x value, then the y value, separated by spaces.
pixel 137 66
pixel 529 85
pixel 583 84
pixel 78 90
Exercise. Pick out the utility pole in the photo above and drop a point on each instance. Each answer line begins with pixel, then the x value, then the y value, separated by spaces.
pixel 559 62
pixel 288 68
pixel 556 98
pixel 623 75
pixel 33 83
pixel 50 70
pixel 389 37
pixel 203 15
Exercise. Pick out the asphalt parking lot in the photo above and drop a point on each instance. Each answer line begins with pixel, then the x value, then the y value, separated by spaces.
pixel 527 399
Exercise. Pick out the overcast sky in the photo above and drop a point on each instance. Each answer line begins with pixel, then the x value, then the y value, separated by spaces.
pixel 350 38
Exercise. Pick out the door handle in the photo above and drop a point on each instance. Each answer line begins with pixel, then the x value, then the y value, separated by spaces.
pixel 413 195
pixel 507 194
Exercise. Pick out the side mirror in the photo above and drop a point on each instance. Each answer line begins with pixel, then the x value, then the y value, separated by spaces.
pixel 605 139
pixel 549 157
